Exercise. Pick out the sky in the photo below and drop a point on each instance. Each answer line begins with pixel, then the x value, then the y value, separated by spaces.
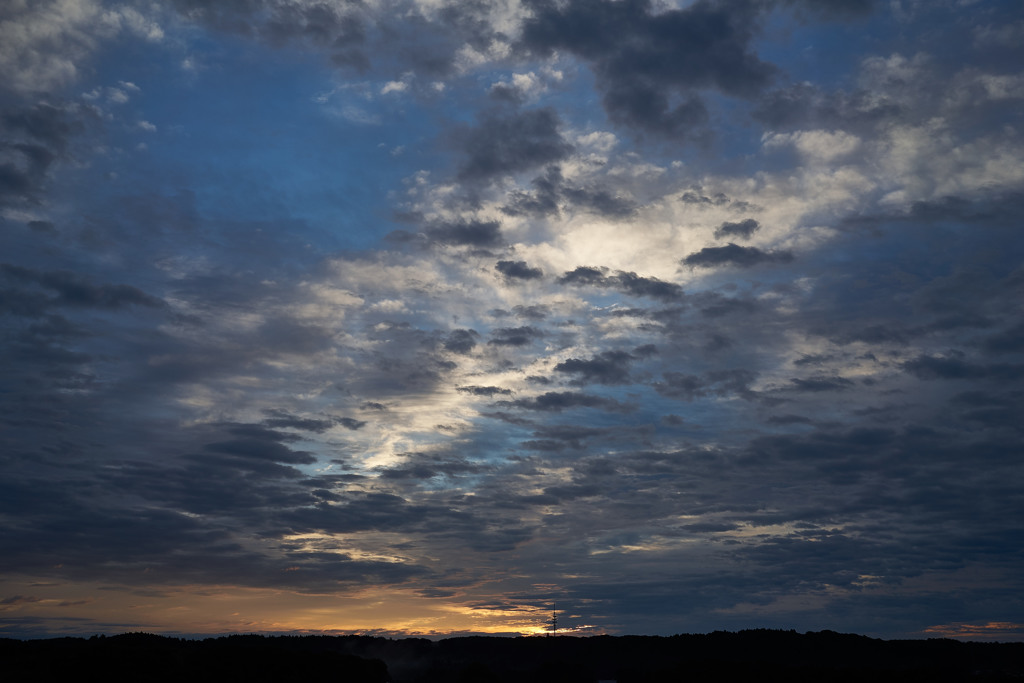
pixel 422 317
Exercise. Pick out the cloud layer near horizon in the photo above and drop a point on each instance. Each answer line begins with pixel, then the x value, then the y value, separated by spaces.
pixel 680 316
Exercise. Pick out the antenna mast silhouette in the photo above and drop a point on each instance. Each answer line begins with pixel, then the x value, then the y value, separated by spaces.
pixel 553 621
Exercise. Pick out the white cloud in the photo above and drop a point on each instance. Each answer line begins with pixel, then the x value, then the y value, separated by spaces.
pixel 43 42
pixel 815 146
pixel 532 84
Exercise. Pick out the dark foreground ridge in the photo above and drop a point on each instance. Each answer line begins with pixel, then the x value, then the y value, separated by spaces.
pixel 757 655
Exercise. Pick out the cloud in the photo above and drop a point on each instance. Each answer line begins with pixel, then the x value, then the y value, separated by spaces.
pixel 601 201
pixel 641 58
pixel 636 285
pixel 734 255
pixel 515 336
pixel 584 275
pixel 821 383
pixel 44 44
pixel 954 366
pixel 218 373
pixel 542 201
pixel 626 282
pixel 1010 340
pixel 557 401
pixel 350 423
pixel 461 341
pixel 744 229
pixel 422 466
pixel 459 233
pixel 484 391
pixel 33 140
pixel 339 32
pixel 518 270
pixel 720 383
pixel 282 419
pixel 552 191
pixel 510 142
pixel 76 291
pixel 608 367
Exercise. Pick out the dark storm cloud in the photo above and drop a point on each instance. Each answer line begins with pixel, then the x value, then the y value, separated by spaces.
pixel 557 401
pixel 625 282
pixel 833 8
pixel 323 26
pixel 698 198
pixel 552 438
pixel 804 104
pixel 461 341
pixel 515 336
pixel 715 383
pixel 332 29
pixel 406 357
pixel 877 334
pixel 32 140
pixel 376 511
pixel 636 285
pixel 573 435
pixel 734 255
pixel 175 549
pixel 955 366
pixel 484 391
pixel 462 233
pixel 789 420
pixel 510 142
pixel 991 409
pixel 281 418
pixel 261 449
pixel 550 189
pixel 423 466
pixel 585 275
pixel 244 476
pixel 532 312
pixel 1010 340
pixel 607 367
pixel 283 334
pixel 468 233
pixel 885 293
pixel 72 290
pixel 518 270
pixel 601 201
pixel 988 209
pixel 42 226
pixel 22 302
pixel 643 60
pixel 97 532
pixel 821 383
pixel 350 423
pixel 542 201
pixel 917 89
pixel 743 229
pixel 709 527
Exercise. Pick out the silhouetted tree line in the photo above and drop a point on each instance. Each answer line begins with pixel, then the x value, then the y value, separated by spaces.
pixel 749 656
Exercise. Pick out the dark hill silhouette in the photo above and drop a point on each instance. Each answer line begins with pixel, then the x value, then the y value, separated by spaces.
pixel 755 655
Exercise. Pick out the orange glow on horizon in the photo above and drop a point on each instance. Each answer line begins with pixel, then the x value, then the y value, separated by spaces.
pixel 86 609
pixel 992 630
